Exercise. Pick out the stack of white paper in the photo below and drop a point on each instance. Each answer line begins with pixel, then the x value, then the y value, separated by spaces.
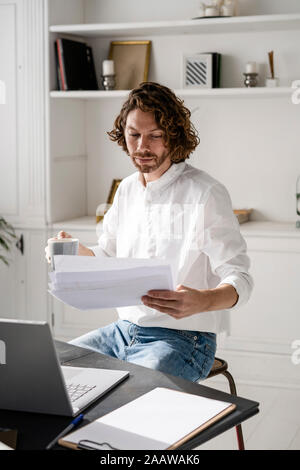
pixel 87 282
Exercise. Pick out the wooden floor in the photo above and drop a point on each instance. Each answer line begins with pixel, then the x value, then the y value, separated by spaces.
pixel 275 427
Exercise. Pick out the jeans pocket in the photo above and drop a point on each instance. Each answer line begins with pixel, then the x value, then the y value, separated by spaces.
pixel 210 351
pixel 203 358
pixel 210 348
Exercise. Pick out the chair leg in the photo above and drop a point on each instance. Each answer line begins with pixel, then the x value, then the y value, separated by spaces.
pixel 239 432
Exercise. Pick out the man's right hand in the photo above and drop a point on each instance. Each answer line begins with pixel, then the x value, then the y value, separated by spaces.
pixel 82 250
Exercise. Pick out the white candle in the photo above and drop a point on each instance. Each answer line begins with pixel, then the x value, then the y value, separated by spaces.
pixel 108 67
pixel 211 11
pixel 251 67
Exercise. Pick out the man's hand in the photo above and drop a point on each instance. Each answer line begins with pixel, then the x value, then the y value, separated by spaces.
pixel 185 301
pixel 180 303
pixel 82 250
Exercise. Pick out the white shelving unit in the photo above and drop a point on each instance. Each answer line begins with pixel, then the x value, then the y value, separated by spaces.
pixel 205 26
pixel 184 27
pixel 240 24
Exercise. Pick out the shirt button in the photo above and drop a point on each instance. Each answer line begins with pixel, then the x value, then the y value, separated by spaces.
pixel 195 338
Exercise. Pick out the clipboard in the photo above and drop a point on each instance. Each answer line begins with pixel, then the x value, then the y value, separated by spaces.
pixel 162 419
pixel 9 437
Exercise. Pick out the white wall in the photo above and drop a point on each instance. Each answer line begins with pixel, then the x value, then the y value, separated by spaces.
pixel 66 11
pixel 113 11
pixel 249 145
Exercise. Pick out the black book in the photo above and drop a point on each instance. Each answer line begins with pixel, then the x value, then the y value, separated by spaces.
pixel 58 73
pixel 76 70
pixel 216 69
pixel 91 78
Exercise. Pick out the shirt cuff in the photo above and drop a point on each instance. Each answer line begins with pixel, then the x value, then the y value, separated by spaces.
pixel 243 285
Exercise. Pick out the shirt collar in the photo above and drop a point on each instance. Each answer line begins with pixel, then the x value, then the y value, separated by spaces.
pixel 168 177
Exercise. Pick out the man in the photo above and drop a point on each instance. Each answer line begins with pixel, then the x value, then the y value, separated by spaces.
pixel 168 209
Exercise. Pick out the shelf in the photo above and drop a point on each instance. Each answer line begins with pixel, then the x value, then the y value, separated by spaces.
pixel 259 92
pixel 244 92
pixel 89 95
pixel 249 229
pixel 81 223
pixel 270 229
pixel 198 26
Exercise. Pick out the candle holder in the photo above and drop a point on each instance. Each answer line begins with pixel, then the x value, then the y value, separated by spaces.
pixel 108 82
pixel 250 79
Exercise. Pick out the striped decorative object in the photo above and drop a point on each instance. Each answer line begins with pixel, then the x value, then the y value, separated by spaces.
pixel 197 71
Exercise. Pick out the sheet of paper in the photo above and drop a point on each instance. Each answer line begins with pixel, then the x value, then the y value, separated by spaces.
pixel 156 420
pixel 93 282
pixel 176 414
pixel 67 263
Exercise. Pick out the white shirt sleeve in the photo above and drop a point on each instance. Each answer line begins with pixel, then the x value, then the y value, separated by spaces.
pixel 235 273
pixel 224 244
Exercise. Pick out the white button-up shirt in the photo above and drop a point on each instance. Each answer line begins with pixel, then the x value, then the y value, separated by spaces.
pixel 185 216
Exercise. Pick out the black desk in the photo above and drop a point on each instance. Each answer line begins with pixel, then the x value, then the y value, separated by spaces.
pixel 35 431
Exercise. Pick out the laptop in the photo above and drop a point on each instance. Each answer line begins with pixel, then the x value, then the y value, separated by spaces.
pixel 33 380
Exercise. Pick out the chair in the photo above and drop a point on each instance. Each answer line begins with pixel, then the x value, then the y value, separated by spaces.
pixel 220 366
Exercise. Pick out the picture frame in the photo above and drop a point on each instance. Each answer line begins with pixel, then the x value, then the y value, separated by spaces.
pixel 103 208
pixel 113 190
pixel 131 60
pixel 197 71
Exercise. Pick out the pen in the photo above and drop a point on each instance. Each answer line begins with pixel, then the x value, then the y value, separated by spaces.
pixel 65 431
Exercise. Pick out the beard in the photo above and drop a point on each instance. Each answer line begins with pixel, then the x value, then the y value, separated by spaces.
pixel 151 161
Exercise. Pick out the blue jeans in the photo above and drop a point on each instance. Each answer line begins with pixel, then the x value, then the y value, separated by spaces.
pixel 186 354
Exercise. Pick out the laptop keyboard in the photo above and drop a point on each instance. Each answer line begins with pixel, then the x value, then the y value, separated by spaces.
pixel 76 391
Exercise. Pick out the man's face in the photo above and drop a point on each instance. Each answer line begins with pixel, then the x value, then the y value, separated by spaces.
pixel 145 143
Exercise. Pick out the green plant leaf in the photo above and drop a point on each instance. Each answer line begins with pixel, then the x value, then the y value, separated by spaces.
pixel 4 260
pixel 7 236
pixel 4 243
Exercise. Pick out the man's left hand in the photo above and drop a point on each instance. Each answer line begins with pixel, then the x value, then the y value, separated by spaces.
pixel 180 303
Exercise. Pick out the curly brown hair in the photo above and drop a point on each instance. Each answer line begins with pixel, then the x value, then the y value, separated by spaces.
pixel 170 114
